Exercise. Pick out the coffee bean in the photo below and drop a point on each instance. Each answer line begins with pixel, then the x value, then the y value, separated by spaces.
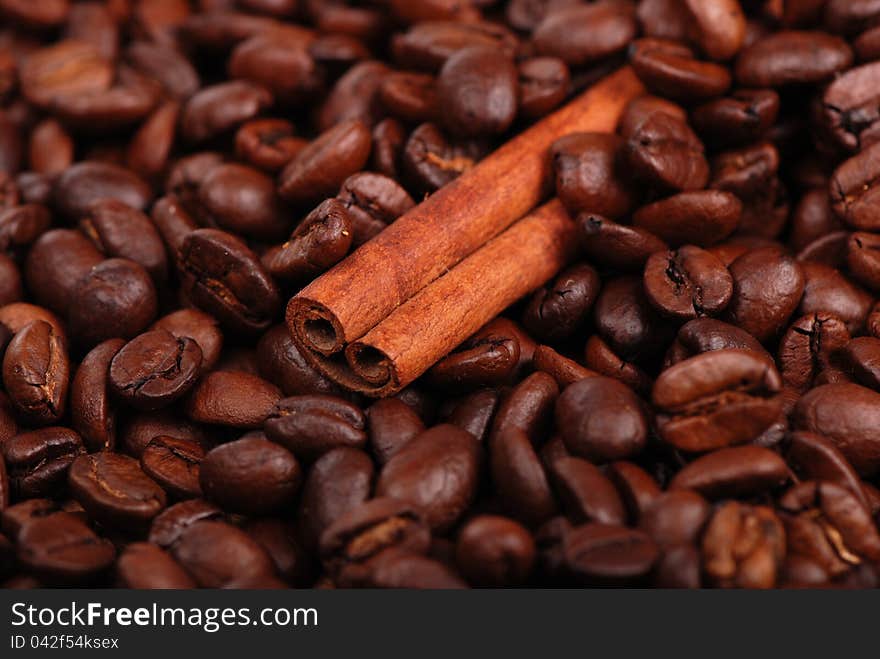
pixel 89 181
pixel 741 118
pixel 219 108
pixel 232 399
pixel 583 34
pixel 701 218
pixel 608 554
pixel 250 476
pixel 145 566
pixel 730 472
pixel 392 425
pixel 198 326
pixel 174 464
pixel 664 152
pixel 519 477
pixel 495 551
pixel 427 45
pixel 743 546
pixel 430 161
pixel 170 524
pixel 36 373
pixel 586 492
pixel 586 176
pixel 373 201
pixel 675 518
pixel 282 364
pixel 687 283
pixel 62 549
pixel 617 245
pixel 792 57
pixel 115 491
pixel 312 425
pixel 807 349
pixel 543 85
pixel 716 399
pixel 37 462
pixel 91 410
pixel 669 68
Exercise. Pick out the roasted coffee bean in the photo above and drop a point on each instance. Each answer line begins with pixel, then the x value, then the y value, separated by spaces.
pixel 436 471
pixel 528 407
pixel 825 289
pixel 56 262
pixel 743 546
pixel 62 549
pixel 860 358
pixel 665 153
pixel 543 84
pixel 223 277
pixel 365 531
pixel 427 45
pixel 808 347
pixel 250 476
pixel 474 413
pixel 409 96
pixel 730 472
pixel 585 492
pixel 232 399
pixel 339 481
pixel 217 555
pixel 601 419
pixel 430 161
pixel 757 308
pixel 716 399
pixel 37 462
pixel 495 551
pixel 321 240
pixel 626 320
pixel 36 373
pixel 115 491
pixel 89 181
pixel 373 201
pixel 814 457
pixel 477 87
pixel 312 425
pixel 214 110
pixel 91 410
pixel 583 34
pixel 392 425
pixel 170 524
pixel 282 364
pixel 687 283
pixel 242 200
pixel 155 369
pixel 607 554
pixel 268 144
pixel 675 518
pixel 519 477
pixel 278 539
pixel 146 566
pixel 200 327
pixel 139 428
pixel 617 245
pixel 844 413
pixel 792 57
pixel 319 169
pixel 741 118
pixel 10 281
pixel 557 312
pixel 354 97
pixel 669 68
pixel 120 293
pixel 586 177
pixel 863 258
pixel 719 26
pixel 174 464
pixel 701 218
pixel 849 108
pixel 853 190
pixel 488 358
pixel 562 369
pixel 642 107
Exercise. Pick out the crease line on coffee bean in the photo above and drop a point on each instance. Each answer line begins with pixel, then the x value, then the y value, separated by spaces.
pixel 453 262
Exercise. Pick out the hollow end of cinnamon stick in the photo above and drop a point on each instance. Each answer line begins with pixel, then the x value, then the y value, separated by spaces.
pixel 371 364
pixel 315 326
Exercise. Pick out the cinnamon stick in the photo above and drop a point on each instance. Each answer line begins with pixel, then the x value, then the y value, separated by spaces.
pixel 353 297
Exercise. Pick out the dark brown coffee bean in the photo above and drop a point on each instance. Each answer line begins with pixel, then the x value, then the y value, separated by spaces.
pixel 670 69
pixel 62 549
pixel 495 551
pixel 757 308
pixel 558 311
pixel 853 190
pixel 170 524
pixel 321 240
pixel 436 471
pixel 282 364
pixel 223 277
pixel 732 472
pixel 376 525
pixel 409 96
pixel 166 65
pixel 36 373
pixel 392 425
pixel 339 481
pixel 427 45
pixel 477 89
pixel 608 554
pixel 586 493
pixel 21 226
pixel 719 26
pixel 827 290
pixel 716 399
pixel 543 85
pixel 807 349
pixel 687 283
pixel 474 413
pixel 430 161
pixel 219 108
pixel 217 555
pixel 586 176
pixel 115 491
pixel 118 291
pixel 268 144
pixel 91 410
pixel 354 97
pixel 373 202
pixel 319 169
pixel 844 413
pixel 792 57
pixel 601 419
pixel 617 245
pixel 700 218
pixel 741 118
pixel 118 230
pixel 55 264
pixel 863 258
pixel 312 425
pixel 488 358
pixel 528 407
pixel 200 327
pixel 626 320
pixel 675 518
pixel 146 566
pixel 66 68
pixel 814 457
pixel 86 182
pixel 278 539
pixel 37 462
pixel 562 369
pixel 850 114
pixel 665 153
pixel 582 34
pixel 232 399
pixel 174 464
pixel 242 200
pixel 519 478
pixel 250 476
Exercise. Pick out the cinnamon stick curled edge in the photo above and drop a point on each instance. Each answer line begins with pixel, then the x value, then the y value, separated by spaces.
pixel 340 321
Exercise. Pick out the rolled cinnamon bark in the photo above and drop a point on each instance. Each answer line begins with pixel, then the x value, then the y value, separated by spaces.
pixel 454 306
pixel 353 297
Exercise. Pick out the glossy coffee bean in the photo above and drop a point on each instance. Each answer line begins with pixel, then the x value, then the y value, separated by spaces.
pixel 792 57
pixel 730 472
pixel 687 283
pixel 174 464
pixel 311 425
pixel 664 152
pixel 92 412
pixel 62 549
pixel 495 551
pixel 587 179
pixel 36 373
pixel 558 311
pixel 608 554
pixel 198 326
pixel 701 218
pixel 232 399
pixel 219 108
pixel 582 34
pixel 146 566
pixel 37 462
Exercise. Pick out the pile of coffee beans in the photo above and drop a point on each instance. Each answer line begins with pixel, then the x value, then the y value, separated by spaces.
pixel 694 403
